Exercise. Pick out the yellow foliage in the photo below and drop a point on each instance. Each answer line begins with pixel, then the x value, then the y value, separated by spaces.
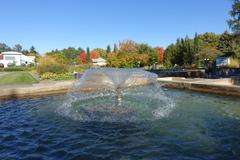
pixel 50 64
pixel 47 60
pixel 234 63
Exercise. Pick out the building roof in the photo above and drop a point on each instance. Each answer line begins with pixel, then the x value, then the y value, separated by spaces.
pixel 98 60
pixel 11 53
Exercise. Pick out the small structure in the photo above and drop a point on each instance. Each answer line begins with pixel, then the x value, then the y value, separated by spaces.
pixel 16 58
pixel 99 62
pixel 223 61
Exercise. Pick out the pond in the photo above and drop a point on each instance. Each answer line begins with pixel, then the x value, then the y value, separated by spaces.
pixel 199 126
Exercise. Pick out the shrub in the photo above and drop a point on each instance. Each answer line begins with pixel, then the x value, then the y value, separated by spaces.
pixel 55 76
pixel 234 63
pixel 49 64
pixel 1 65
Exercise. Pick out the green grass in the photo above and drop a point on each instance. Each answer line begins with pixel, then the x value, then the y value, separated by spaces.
pixel 17 78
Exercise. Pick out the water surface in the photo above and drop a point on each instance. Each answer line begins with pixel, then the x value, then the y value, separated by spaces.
pixel 200 126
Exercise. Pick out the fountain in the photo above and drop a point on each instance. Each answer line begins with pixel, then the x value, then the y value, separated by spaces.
pixel 114 79
pixel 116 94
pixel 120 114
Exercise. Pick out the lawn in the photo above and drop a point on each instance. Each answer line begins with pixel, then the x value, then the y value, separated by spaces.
pixel 17 78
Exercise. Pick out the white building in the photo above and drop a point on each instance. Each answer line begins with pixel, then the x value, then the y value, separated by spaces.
pixel 223 61
pixel 99 62
pixel 17 58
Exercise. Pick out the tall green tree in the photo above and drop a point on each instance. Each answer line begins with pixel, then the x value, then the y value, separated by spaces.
pixel 25 51
pixel 115 48
pixel 196 47
pixel 88 55
pixel 169 54
pixel 18 48
pixel 234 23
pixel 226 43
pixel 71 54
pixel 188 51
pixel 33 50
pixel 4 47
pixel 102 52
pixel 108 49
pixel 210 39
pixel 80 50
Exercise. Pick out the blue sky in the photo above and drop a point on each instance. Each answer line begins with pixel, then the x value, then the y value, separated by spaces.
pixel 51 24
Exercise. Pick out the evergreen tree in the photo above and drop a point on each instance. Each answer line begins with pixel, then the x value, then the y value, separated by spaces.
pixel 169 55
pixel 88 55
pixel 234 23
pixel 115 49
pixel 196 49
pixel 4 47
pixel 25 51
pixel 17 48
pixel 225 44
pixel 33 50
pixel 108 49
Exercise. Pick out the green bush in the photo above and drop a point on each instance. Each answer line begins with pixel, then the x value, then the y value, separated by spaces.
pixel 54 68
pixel 56 77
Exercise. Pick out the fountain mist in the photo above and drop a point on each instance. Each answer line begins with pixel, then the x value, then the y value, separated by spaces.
pixel 116 95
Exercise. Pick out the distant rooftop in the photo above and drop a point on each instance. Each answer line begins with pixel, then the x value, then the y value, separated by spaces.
pixel 11 53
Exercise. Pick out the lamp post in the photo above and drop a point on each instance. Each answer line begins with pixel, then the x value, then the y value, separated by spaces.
pixel 207 71
pixel 206 61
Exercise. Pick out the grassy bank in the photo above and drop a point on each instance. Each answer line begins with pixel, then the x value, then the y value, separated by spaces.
pixel 17 78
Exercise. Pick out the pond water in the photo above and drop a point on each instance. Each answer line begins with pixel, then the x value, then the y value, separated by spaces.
pixel 195 126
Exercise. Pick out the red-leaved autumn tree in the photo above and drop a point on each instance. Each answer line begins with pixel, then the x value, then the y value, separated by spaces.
pixel 93 55
pixel 161 54
pixel 83 57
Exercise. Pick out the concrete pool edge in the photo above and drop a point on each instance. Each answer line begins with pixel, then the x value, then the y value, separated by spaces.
pixel 219 86
pixel 40 89
pixel 213 86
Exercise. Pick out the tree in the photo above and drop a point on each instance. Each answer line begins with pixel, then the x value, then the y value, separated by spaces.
pixel 225 44
pixel 189 52
pixel 170 52
pixel 128 46
pixel 102 52
pixel 83 57
pixel 153 57
pixel 71 54
pixel 210 39
pixel 33 50
pixel 25 51
pixel 108 49
pixel 209 53
pixel 94 54
pixel 130 54
pixel 160 51
pixel 144 49
pixel 18 48
pixel 234 23
pixel 80 50
pixel 115 49
pixel 4 47
pixel 179 55
pixel 88 55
